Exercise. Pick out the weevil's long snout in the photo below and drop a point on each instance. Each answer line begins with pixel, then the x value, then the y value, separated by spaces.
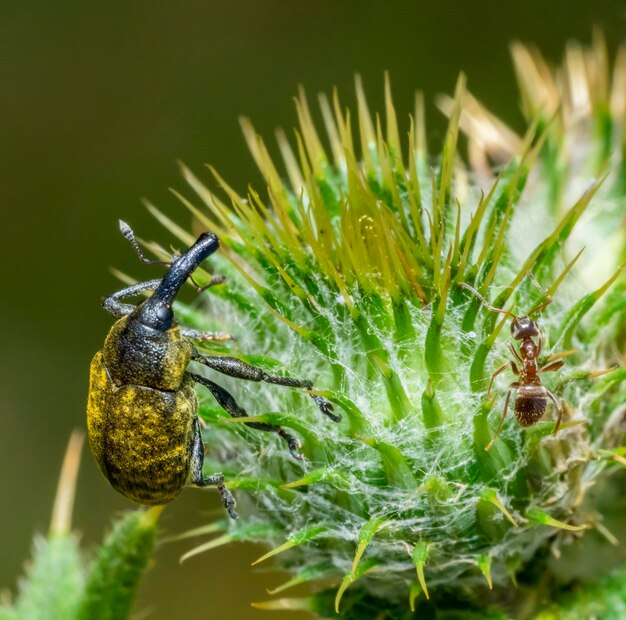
pixel 183 266
pixel 156 312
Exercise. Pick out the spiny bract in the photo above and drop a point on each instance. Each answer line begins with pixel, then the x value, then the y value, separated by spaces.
pixel 349 272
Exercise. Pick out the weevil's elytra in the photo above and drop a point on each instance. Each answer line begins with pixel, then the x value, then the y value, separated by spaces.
pixel 531 396
pixel 144 450
pixel 142 407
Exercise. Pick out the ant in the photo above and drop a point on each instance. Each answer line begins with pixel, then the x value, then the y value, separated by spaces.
pixel 532 396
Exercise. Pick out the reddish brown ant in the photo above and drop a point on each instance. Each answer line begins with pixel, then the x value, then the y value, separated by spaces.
pixel 532 397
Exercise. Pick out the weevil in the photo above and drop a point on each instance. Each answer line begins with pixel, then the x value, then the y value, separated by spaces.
pixel 142 407
pixel 531 396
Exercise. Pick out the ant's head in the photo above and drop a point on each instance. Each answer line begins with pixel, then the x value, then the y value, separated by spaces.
pixel 521 326
pixel 524 327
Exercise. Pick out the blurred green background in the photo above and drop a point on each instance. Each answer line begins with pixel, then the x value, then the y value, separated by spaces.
pixel 97 103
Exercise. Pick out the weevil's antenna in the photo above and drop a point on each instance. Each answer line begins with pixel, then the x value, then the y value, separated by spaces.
pixel 544 303
pixel 128 233
pixel 485 302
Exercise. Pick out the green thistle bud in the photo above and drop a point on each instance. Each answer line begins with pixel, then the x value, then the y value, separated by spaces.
pixel 60 583
pixel 350 271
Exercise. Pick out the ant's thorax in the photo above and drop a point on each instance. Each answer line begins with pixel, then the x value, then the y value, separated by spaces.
pixel 528 352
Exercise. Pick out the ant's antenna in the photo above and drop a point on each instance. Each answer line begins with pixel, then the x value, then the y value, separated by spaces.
pixel 534 280
pixel 485 302
pixel 544 303
pixel 128 233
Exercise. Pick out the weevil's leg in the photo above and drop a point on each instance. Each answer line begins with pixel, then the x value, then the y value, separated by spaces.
pixel 113 304
pixel 516 355
pixel 196 334
pixel 501 370
pixel 217 480
pixel 512 387
pixel 553 366
pixel 229 404
pixel 539 345
pixel 559 406
pixel 234 367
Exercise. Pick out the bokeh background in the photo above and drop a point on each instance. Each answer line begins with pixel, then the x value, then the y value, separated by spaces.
pixel 97 103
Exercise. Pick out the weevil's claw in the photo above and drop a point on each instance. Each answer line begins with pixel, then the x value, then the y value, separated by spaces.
pixel 215 336
pixel 326 407
pixel 199 336
pixel 215 280
pixel 293 444
pixel 228 500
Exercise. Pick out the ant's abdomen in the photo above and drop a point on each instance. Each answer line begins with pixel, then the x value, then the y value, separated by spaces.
pixel 530 404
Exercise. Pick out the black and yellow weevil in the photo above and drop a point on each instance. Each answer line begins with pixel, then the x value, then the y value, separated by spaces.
pixel 142 418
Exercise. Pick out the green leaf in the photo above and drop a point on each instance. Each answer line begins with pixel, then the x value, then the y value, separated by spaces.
pixel 120 563
pixel 580 309
pixel 365 537
pixel 603 599
pixel 298 538
pixel 54 582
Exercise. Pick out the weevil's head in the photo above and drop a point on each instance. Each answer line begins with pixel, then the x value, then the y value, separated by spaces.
pixel 156 312
pixel 155 315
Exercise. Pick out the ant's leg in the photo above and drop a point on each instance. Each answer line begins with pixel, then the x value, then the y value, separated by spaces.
pixel 512 387
pixel 500 370
pixel 229 404
pixel 234 367
pixel 553 366
pixel 559 406
pixel 197 479
pixel 516 355
pixel 118 309
pixel 196 334
pixel 558 356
